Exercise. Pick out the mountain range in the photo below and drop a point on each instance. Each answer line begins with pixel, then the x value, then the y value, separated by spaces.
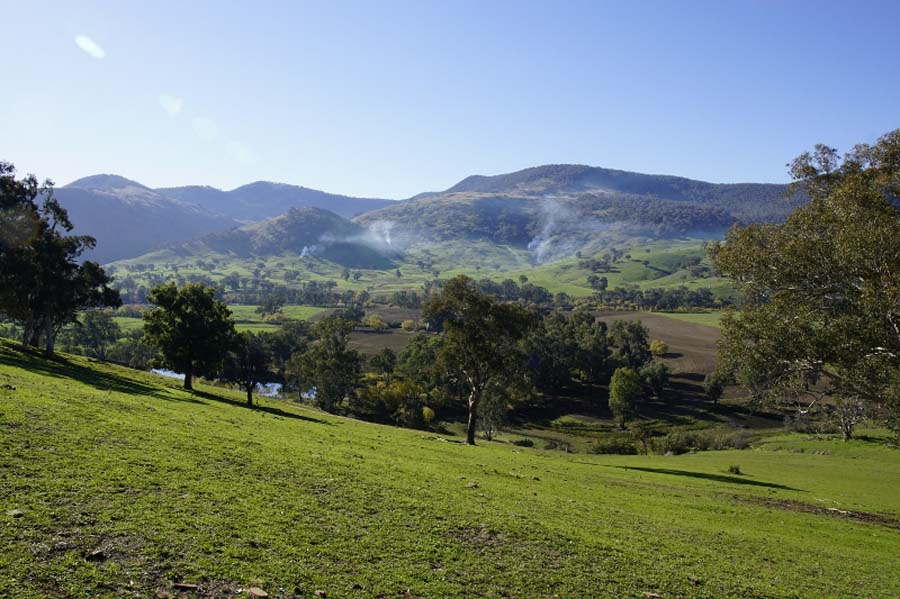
pixel 552 209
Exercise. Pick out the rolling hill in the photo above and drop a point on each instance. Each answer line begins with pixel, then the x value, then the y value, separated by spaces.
pixel 175 494
pixel 264 199
pixel 129 219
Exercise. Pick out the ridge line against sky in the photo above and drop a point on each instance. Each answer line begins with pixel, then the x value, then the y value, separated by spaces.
pixel 398 98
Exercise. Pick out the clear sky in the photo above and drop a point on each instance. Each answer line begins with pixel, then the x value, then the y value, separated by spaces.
pixel 389 99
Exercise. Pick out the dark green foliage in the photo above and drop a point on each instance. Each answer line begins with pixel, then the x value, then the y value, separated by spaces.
pixel 96 333
pixel 248 363
pixel 191 328
pixel 480 342
pixel 714 385
pixel 562 348
pixel 42 283
pixel 624 393
pixel 632 343
pixel 655 376
pixel 134 351
pixel 328 366
pixel 384 362
pixel 622 444
pixel 821 292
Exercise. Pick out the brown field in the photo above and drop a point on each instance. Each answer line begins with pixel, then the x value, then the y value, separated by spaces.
pixel 692 347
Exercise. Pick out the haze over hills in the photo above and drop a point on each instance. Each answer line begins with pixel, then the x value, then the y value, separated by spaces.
pixel 129 219
pixel 551 210
pixel 264 199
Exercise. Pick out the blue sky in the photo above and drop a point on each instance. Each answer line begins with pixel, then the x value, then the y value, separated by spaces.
pixel 390 99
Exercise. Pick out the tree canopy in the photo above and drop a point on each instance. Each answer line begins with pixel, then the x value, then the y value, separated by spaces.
pixel 192 329
pixel 42 283
pixel 821 292
pixel 480 341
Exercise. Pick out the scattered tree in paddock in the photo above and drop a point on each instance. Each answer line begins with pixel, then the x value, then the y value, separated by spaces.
pixel 624 393
pixel 631 340
pixel 192 329
pixel 480 341
pixel 247 364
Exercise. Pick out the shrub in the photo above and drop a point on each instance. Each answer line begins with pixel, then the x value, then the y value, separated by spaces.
pixel 408 325
pixel 734 469
pixel 658 348
pixel 615 444
pixel 523 442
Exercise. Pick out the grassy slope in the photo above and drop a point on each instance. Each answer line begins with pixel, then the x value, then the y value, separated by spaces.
pixel 197 488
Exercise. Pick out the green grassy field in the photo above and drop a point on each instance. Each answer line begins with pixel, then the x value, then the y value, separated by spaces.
pixel 126 485
pixel 245 318
pixel 710 319
pixel 477 259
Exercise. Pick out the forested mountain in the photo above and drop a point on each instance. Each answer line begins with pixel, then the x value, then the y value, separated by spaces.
pixel 263 199
pixel 747 202
pixel 129 219
pixel 552 211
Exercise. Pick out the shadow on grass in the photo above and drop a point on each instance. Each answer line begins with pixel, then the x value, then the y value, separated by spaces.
pixel 258 408
pixel 60 367
pixel 721 478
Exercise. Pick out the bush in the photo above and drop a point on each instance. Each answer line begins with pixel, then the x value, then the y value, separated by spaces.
pixel 658 348
pixel 427 414
pixel 615 444
pixel 408 325
pixel 523 442
pixel 678 442
pixel 734 469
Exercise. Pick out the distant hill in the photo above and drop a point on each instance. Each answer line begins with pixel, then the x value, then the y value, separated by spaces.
pixel 556 210
pixel 747 202
pixel 305 232
pixel 129 219
pixel 263 199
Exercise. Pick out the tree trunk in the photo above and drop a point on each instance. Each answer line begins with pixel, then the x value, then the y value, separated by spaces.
pixel 250 395
pixel 188 379
pixel 473 415
pixel 50 332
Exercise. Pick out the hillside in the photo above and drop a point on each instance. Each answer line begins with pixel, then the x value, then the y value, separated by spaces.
pixel 264 199
pixel 169 488
pixel 747 202
pixel 306 234
pixel 129 219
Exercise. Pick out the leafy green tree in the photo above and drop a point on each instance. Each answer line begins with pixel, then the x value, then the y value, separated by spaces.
pixel 192 329
pixel 272 303
pixel 292 337
pixel 248 362
pixel 480 341
pixel 134 350
pixel 329 365
pixel 97 333
pixel 384 362
pixel 631 340
pixel 714 386
pixel 821 292
pixel 43 285
pixel 656 376
pixel 624 393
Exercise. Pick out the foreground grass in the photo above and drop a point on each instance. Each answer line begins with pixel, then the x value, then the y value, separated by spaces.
pixel 128 485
